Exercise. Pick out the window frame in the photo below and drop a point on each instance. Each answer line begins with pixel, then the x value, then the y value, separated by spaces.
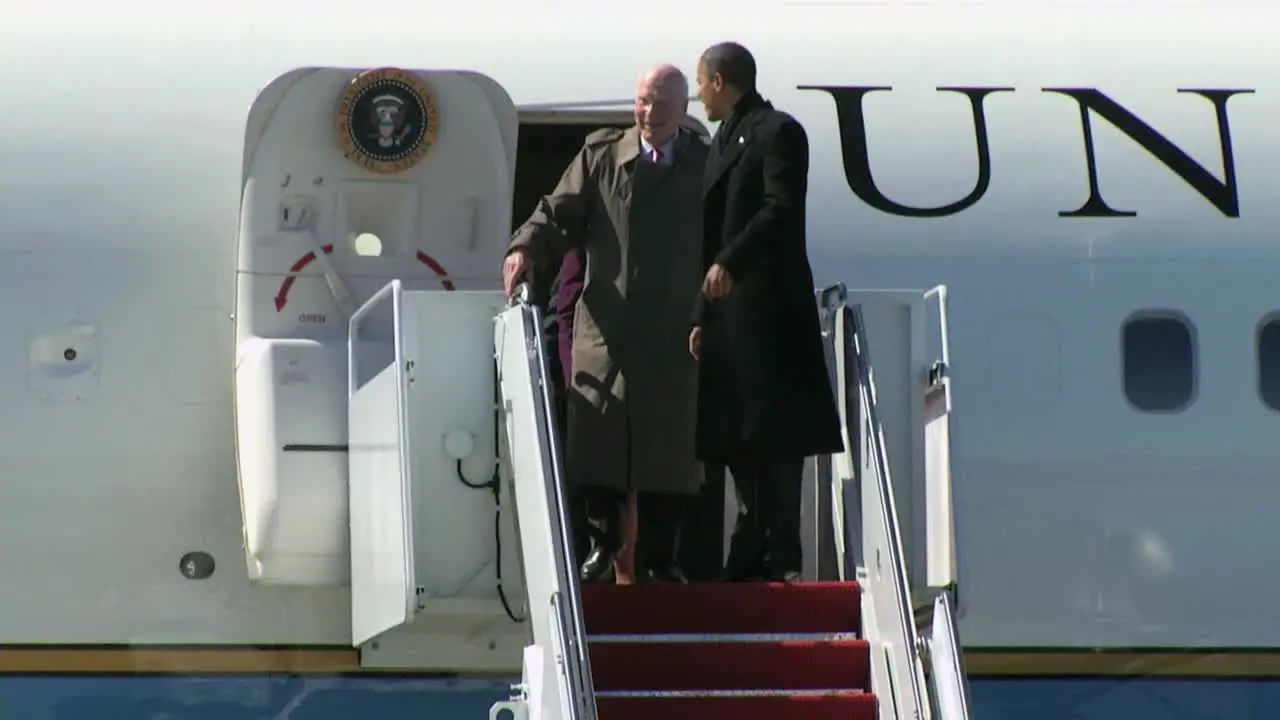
pixel 1193 335
pixel 1268 319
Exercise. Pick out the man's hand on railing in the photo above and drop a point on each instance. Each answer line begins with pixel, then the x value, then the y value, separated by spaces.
pixel 521 295
pixel 517 267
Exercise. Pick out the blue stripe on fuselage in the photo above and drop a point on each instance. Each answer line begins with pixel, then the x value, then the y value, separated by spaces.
pixel 315 697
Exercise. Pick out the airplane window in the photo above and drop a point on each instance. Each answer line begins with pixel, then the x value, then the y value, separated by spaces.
pixel 1159 363
pixel 1269 362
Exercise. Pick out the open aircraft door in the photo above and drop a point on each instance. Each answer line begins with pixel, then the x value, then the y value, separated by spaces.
pixel 383 586
pixel 366 429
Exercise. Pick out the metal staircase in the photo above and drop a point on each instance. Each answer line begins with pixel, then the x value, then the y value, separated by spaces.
pixel 891 502
pixel 861 644
pixel 556 680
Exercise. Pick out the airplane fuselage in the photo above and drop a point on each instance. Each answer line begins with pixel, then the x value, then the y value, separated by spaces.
pixel 1100 198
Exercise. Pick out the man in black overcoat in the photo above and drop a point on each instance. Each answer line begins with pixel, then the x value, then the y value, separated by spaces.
pixel 764 400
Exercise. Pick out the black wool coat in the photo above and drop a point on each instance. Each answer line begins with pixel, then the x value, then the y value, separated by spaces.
pixel 763 387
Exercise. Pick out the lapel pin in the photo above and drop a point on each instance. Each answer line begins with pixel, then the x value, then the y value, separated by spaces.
pixel 741 140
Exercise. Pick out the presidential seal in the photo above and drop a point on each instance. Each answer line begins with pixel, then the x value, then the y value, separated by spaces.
pixel 386 120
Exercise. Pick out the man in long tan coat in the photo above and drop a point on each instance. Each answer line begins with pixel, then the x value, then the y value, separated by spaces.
pixel 632 200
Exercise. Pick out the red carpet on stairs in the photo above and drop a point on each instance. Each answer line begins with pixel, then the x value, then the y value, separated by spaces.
pixel 750 651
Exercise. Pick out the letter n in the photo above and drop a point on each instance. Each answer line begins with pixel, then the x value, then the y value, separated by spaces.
pixel 1221 194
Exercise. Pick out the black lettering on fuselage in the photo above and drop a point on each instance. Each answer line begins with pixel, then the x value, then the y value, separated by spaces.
pixel 854 143
pixel 856 157
pixel 1222 194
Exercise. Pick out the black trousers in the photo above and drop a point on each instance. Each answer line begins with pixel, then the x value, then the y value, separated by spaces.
pixel 702 533
pixel 766 540
pixel 661 516
pixel 600 512
pixel 595 514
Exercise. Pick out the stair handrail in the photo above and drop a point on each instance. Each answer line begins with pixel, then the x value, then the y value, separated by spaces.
pixel 907 661
pixel 949 685
pixel 564 607
pixel 879 557
pixel 941 570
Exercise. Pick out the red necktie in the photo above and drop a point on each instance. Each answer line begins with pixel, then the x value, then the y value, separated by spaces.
pixel 655 156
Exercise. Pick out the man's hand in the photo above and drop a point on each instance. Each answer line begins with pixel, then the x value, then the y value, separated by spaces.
pixel 516 267
pixel 695 343
pixel 717 283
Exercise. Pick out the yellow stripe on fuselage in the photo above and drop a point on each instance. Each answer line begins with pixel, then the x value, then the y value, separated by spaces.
pixel 180 660
pixel 979 663
pixel 1189 663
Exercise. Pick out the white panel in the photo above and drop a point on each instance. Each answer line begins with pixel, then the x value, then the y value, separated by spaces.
pixel 460 620
pixel 380 461
pixel 452 414
pixel 293 480
pixel 555 605
pixel 940 531
pixel 896 371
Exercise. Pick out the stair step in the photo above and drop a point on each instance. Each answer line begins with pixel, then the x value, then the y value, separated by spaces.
pixel 843 706
pixel 723 637
pixel 721 608
pixel 731 665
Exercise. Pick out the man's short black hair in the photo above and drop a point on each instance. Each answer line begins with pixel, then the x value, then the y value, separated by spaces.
pixel 732 62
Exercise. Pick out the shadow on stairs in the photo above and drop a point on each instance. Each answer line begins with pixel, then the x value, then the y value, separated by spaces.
pixel 745 650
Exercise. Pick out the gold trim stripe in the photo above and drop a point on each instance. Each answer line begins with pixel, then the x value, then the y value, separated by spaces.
pixel 213 660
pixel 1134 664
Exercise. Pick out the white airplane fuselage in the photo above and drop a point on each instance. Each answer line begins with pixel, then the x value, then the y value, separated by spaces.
pixel 1098 186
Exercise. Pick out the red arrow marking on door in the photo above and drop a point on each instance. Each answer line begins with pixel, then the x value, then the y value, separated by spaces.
pixel 282 295
pixel 437 268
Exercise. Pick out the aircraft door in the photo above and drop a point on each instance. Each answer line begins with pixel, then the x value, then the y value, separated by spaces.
pixel 380 460
pixel 353 180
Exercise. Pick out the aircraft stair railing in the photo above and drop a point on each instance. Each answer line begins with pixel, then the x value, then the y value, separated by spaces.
pixel 948 686
pixel 940 533
pixel 556 680
pixel 916 680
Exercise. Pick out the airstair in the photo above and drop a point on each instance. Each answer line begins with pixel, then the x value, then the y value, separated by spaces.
pixel 855 643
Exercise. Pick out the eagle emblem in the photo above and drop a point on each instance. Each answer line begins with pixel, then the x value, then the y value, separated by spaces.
pixel 389 117
pixel 386 120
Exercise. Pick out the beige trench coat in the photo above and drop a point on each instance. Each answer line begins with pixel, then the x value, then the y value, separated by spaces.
pixel 632 407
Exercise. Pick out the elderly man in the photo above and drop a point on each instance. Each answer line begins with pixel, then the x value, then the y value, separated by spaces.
pixel 631 199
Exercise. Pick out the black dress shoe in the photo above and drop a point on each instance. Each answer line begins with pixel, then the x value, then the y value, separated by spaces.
pixel 598 565
pixel 745 572
pixel 748 559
